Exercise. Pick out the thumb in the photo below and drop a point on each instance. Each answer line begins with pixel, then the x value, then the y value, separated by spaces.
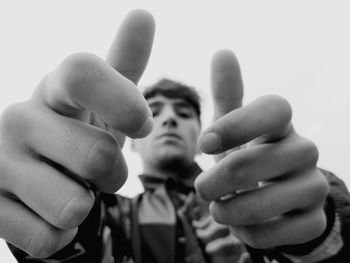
pixel 226 83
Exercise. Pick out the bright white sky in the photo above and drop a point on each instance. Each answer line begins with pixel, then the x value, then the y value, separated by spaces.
pixel 297 49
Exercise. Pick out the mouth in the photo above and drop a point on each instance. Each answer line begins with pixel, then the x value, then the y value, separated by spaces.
pixel 170 135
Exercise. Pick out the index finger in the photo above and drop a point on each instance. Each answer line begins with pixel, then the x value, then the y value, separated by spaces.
pixel 85 83
pixel 131 48
pixel 268 117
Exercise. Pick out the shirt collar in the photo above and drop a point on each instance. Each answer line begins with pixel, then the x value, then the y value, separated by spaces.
pixel 188 175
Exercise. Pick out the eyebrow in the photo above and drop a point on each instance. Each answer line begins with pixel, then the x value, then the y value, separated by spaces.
pixel 183 104
pixel 155 104
pixel 176 103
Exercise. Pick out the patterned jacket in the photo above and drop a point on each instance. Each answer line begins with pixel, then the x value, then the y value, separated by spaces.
pixel 169 223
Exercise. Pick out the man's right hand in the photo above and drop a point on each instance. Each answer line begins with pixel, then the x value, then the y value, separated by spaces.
pixel 68 136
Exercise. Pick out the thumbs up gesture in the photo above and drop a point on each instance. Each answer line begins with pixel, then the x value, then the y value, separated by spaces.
pixel 265 185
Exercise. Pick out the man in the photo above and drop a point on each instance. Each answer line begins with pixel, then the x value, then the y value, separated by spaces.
pixel 265 190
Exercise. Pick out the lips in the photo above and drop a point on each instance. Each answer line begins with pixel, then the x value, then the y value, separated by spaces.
pixel 170 135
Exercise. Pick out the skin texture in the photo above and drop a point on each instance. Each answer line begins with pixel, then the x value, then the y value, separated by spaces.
pixel 68 136
pixel 265 184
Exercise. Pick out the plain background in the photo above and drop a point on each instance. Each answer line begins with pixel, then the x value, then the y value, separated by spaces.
pixel 296 49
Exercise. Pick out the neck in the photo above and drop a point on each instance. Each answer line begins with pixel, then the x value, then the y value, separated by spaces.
pixel 176 172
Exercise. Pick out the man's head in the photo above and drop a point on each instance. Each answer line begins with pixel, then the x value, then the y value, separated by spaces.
pixel 176 112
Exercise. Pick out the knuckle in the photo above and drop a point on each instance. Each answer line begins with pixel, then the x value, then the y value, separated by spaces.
pixel 281 107
pixel 79 71
pixel 132 115
pixel 198 186
pixel 75 210
pixel 316 225
pixel 323 186
pixel 252 242
pixel 139 113
pixel 216 213
pixel 13 119
pixel 80 62
pixel 319 189
pixel 102 156
pixel 235 171
pixel 204 185
pixel 118 179
pixel 309 151
pixel 114 180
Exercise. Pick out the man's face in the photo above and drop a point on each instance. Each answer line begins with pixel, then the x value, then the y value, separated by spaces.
pixel 173 140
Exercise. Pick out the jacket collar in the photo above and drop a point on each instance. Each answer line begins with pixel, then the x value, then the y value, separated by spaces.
pixel 186 182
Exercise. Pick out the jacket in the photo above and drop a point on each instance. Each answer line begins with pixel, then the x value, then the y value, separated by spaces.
pixel 169 223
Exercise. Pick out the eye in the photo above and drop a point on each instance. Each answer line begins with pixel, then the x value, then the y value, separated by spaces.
pixel 155 112
pixel 185 113
pixel 156 109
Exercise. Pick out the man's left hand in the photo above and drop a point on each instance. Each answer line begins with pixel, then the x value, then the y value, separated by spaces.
pixel 265 185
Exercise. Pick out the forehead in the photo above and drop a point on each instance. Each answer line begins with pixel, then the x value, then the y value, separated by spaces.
pixel 159 99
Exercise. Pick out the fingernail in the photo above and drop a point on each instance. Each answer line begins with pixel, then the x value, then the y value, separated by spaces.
pixel 145 129
pixel 210 143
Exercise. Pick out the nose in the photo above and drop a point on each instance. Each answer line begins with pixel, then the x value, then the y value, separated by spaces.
pixel 169 118
pixel 170 122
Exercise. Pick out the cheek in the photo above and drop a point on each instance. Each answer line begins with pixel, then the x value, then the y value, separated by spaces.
pixel 195 132
pixel 193 137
